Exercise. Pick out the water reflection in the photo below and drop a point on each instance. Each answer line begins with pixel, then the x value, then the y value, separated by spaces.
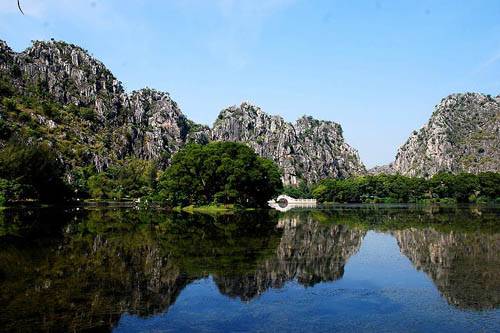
pixel 84 269
pixel 308 251
pixel 464 267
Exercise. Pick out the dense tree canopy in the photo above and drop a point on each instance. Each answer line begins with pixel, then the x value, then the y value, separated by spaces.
pixel 128 178
pixel 462 187
pixel 31 172
pixel 302 190
pixel 219 172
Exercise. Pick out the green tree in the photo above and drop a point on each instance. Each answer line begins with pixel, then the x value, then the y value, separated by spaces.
pixel 463 187
pixel 128 178
pixel 219 172
pixel 303 190
pixel 35 169
pixel 466 187
pixel 489 184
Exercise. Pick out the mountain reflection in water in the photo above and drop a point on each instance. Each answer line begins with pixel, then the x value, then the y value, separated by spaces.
pixel 77 270
pixel 464 267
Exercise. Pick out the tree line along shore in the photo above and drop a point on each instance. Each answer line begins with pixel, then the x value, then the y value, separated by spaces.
pixel 221 175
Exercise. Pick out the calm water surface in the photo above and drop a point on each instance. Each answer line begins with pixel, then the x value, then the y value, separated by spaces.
pixel 384 269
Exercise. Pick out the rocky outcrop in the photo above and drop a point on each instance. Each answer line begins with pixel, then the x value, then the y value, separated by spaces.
pixel 462 135
pixel 386 169
pixel 155 124
pixel 66 72
pixel 308 149
pixel 464 267
pixel 148 124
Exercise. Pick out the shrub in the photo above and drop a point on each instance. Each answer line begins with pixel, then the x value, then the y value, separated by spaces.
pixel 9 104
pixel 87 114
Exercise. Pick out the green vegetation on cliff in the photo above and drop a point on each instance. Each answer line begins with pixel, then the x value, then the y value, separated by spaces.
pixel 64 138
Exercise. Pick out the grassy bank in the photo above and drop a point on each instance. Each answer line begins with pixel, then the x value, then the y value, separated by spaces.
pixel 212 209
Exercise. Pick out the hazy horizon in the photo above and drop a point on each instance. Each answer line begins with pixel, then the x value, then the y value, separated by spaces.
pixel 376 68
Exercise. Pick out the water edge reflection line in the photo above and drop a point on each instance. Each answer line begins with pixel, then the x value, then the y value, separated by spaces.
pixel 116 261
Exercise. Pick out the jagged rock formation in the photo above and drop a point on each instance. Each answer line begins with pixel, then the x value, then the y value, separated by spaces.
pixel 99 123
pixel 67 72
pixel 307 150
pixel 386 169
pixel 464 267
pixel 462 135
pixel 145 124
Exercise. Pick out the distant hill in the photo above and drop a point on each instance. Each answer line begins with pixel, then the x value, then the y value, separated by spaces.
pixel 462 135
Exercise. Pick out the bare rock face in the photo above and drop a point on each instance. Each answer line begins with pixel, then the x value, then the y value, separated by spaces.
pixel 145 124
pixel 462 135
pixel 307 150
pixel 386 169
pixel 66 72
pixel 148 124
pixel 155 124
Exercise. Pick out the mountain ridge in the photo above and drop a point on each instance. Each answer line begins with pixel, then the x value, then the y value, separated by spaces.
pixel 103 123
pixel 461 135
pixel 310 147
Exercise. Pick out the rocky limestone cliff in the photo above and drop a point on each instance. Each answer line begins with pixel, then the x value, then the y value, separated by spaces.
pixel 148 124
pixel 462 135
pixel 386 169
pixel 308 149
pixel 66 72
pixel 155 124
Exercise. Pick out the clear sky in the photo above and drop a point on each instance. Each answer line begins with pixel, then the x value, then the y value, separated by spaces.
pixel 377 67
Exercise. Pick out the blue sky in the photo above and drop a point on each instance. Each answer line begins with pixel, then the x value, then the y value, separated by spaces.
pixel 377 67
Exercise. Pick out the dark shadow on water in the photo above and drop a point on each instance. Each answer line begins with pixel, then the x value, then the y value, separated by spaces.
pixel 82 269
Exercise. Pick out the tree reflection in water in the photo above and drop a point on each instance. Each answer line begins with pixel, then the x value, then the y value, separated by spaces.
pixel 76 270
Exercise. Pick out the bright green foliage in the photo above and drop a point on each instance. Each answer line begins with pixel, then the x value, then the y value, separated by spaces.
pixel 489 183
pixel 31 172
pixel 219 172
pixel 301 191
pixel 129 178
pixel 396 188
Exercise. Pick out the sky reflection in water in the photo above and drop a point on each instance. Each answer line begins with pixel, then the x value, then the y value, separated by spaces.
pixel 391 269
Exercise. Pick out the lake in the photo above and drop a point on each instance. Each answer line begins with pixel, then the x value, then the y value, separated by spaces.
pixel 340 268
